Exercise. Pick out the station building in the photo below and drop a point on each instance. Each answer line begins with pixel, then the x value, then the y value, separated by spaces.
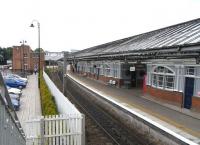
pixel 163 63
pixel 25 59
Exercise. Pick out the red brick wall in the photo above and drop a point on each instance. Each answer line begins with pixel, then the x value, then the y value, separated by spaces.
pixel 106 80
pixel 196 103
pixel 16 58
pixel 35 60
pixel 171 96
pixel 30 60
pixel 103 78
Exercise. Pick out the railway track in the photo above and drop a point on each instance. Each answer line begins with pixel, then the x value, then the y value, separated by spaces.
pixel 101 128
pixel 95 133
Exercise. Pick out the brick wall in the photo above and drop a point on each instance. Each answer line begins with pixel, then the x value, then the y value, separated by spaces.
pixel 21 57
pixel 106 80
pixel 196 103
pixel 102 78
pixel 16 58
pixel 30 58
pixel 32 61
pixel 35 60
pixel 170 96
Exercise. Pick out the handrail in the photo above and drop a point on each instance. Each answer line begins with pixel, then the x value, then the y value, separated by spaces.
pixel 8 114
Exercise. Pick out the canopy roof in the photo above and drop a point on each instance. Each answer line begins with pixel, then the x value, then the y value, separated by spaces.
pixel 177 36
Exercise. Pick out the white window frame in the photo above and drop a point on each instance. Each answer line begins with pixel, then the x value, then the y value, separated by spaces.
pixel 162 73
pixel 115 70
pixel 173 83
pixel 107 70
pixel 187 71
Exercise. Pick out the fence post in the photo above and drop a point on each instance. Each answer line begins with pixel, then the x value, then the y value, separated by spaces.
pixel 42 130
pixel 83 130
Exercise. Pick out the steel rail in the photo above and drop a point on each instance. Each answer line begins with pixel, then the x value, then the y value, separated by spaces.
pixel 90 116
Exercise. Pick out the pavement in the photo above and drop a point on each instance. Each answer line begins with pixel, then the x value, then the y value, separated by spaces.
pixel 30 101
pixel 182 122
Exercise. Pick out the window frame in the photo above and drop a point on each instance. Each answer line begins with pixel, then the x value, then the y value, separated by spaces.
pixel 188 68
pixel 163 72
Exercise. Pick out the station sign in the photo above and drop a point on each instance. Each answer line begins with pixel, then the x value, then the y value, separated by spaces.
pixel 132 68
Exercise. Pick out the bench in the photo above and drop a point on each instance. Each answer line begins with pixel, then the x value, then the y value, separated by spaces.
pixel 112 82
pixel 85 75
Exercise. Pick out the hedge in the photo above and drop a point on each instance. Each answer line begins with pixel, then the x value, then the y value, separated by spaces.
pixel 47 100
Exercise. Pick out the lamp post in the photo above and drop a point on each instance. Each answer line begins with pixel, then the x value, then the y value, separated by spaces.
pixel 22 61
pixel 38 25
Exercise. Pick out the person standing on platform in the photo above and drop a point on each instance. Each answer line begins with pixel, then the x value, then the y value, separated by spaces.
pixel 35 70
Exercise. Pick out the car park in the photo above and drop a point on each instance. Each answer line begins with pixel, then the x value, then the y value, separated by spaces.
pixel 15 96
pixel 14 78
pixel 14 91
pixel 15 104
pixel 14 83
pixel 18 77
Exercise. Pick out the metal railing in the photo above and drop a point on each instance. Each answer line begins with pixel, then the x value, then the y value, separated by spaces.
pixel 11 132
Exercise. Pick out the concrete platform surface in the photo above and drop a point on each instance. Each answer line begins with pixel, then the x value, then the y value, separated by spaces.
pixel 30 101
pixel 178 122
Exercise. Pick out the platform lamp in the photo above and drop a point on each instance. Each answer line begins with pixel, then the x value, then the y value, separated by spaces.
pixel 38 26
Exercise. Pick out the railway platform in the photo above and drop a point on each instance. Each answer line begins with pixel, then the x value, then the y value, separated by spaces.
pixel 179 122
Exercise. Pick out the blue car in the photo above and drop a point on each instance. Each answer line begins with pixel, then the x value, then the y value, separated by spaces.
pixel 15 104
pixel 14 83
pixel 15 78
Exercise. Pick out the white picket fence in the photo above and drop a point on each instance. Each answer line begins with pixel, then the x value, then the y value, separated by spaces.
pixel 55 130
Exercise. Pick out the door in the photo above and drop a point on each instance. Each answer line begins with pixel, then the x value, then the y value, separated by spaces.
pixel 189 87
pixel 133 78
pixel 98 73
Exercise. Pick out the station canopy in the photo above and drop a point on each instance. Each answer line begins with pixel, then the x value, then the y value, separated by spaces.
pixel 178 40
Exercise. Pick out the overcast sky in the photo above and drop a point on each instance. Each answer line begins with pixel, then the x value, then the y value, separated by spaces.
pixel 79 24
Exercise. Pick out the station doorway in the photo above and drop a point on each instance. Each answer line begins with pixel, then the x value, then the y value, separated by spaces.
pixel 189 87
pixel 138 72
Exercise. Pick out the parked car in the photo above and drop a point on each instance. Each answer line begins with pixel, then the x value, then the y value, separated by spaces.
pixel 14 91
pixel 14 83
pixel 19 77
pixel 15 96
pixel 15 104
pixel 10 77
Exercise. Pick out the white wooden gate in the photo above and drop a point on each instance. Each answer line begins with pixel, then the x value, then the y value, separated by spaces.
pixel 56 130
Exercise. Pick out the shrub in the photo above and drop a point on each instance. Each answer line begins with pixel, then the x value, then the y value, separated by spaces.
pixel 47 100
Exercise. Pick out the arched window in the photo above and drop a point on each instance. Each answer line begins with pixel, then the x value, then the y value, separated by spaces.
pixel 163 77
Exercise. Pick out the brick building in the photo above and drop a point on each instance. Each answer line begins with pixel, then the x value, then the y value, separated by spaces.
pixel 24 59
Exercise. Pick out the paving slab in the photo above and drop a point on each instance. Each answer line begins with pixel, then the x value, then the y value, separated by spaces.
pixel 30 101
